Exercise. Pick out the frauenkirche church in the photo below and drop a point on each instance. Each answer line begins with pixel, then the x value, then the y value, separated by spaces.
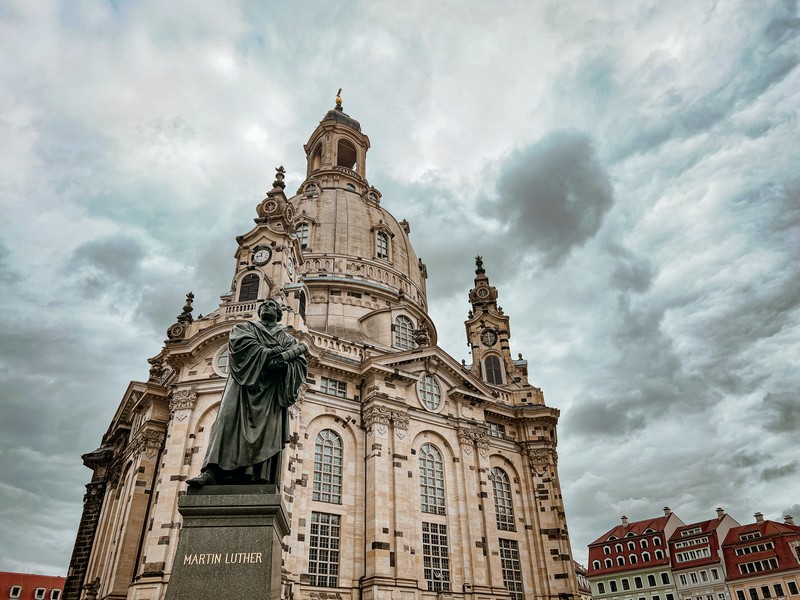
pixel 409 476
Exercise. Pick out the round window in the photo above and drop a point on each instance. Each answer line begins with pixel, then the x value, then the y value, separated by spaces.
pixel 221 362
pixel 429 393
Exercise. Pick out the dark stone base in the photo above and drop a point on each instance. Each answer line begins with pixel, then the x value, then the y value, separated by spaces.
pixel 230 544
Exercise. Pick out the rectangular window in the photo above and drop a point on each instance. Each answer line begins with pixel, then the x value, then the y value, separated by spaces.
pixel 333 387
pixel 15 591
pixel 693 577
pixel 714 574
pixel 778 590
pixel 670 597
pixel 613 585
pixel 626 585
pixel 765 593
pixel 435 557
pixel 382 243
pixel 601 588
pixel 682 579
pixel 651 580
pixel 512 571
pixel 703 576
pixel 740 595
pixel 55 594
pixel 656 597
pixel 39 593
pixel 721 596
pixel 753 593
pixel 323 553
pixel 792 587
pixel 637 581
pixel 665 578
pixel 497 430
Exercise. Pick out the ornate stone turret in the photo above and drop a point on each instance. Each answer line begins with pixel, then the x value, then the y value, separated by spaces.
pixel 488 333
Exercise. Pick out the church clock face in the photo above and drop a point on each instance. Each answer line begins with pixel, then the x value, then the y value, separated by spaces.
pixel 489 337
pixel 261 256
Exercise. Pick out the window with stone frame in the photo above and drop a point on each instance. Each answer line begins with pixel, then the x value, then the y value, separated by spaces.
pixel 429 393
pixel 382 245
pixel 498 430
pixel 493 370
pixel 323 552
pixel 435 557
pixel 328 459
pixel 403 333
pixel 431 480
pixel 333 387
pixel 248 289
pixel 504 510
pixel 301 233
pixel 512 569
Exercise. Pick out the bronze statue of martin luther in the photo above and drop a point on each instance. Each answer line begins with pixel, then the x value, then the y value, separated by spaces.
pixel 266 368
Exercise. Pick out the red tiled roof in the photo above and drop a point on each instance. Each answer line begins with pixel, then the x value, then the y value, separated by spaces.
pixel 637 527
pixel 705 527
pixel 766 529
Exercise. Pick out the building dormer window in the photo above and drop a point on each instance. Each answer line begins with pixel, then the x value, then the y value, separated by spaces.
pixel 618 548
pixel 55 594
pixel 346 154
pixel 38 593
pixel 403 333
pixel 15 591
pixel 493 370
pixel 301 232
pixel 382 245
pixel 608 563
pixel 596 565
pixel 248 289
pixel 606 550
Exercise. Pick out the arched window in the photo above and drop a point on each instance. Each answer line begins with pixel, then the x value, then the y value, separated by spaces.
pixel 248 289
pixel 431 480
pixel 504 510
pixel 301 232
pixel 645 556
pixel 620 561
pixel 328 467
pixel 651 580
pixel 606 550
pixel 656 541
pixel 316 158
pixel 608 563
pixel 596 565
pixel 403 333
pixel 601 587
pixel 631 546
pixel 222 361
pixel 613 585
pixel 618 547
pixel 659 555
pixel 633 559
pixel 346 154
pixel 643 543
pixel 493 370
pixel 428 391
pixel 382 245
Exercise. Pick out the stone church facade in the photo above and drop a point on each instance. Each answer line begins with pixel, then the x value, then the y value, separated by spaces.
pixel 410 475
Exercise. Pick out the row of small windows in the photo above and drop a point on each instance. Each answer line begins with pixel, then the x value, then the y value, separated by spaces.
pixel 696 577
pixel 696 554
pixel 631 545
pixel 694 542
pixel 40 593
pixel 638 583
pixel 382 246
pixel 758 565
pixel 632 559
pixel 428 390
pixel 756 548
pixel 767 593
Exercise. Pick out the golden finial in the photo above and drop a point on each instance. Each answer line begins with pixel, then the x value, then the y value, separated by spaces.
pixel 339 99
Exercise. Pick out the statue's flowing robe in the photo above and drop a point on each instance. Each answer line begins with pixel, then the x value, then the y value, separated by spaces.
pixel 253 421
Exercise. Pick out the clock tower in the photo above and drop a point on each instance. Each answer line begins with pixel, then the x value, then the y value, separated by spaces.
pixel 488 334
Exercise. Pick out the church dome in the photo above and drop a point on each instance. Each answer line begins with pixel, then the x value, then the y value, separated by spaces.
pixel 355 252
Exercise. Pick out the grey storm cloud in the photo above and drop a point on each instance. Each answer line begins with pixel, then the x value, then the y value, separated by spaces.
pixel 771 473
pixel 554 194
pixel 782 411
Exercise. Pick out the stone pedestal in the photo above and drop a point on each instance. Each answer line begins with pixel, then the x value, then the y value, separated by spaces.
pixel 230 544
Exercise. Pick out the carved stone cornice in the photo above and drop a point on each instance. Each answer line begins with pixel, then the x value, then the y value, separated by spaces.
pixel 473 436
pixel 381 416
pixel 539 457
pixel 181 403
pixel 147 442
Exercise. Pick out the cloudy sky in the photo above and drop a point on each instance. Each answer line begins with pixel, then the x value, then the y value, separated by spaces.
pixel 626 169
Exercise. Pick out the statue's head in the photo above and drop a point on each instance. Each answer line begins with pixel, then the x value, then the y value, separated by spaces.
pixel 270 304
